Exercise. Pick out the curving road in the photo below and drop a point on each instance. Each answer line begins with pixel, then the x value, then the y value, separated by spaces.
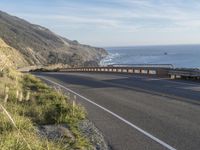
pixel 136 112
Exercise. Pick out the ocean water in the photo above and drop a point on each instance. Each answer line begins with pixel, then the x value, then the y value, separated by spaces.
pixel 181 56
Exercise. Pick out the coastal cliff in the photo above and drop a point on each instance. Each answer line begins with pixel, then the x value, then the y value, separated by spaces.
pixel 40 46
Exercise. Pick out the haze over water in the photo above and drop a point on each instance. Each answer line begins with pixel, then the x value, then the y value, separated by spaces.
pixel 182 56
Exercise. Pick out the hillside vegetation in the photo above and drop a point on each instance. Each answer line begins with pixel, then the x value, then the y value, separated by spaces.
pixel 40 46
pixel 29 104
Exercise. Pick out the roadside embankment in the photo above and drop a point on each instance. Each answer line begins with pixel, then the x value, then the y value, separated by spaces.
pixel 35 116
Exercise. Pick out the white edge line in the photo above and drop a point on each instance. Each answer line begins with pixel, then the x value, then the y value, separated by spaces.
pixel 117 116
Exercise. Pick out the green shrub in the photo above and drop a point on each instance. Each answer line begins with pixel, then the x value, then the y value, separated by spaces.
pixel 46 106
pixel 34 84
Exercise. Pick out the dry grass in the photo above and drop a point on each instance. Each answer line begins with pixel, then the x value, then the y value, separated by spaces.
pixel 45 106
pixel 12 56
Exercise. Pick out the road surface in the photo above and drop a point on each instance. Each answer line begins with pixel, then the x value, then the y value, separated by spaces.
pixel 137 112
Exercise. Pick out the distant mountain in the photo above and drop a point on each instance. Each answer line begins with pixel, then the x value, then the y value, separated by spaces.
pixel 40 46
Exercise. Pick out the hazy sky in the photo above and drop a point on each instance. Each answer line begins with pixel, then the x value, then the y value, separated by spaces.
pixel 114 22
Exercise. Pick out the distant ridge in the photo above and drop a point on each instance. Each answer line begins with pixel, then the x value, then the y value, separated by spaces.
pixel 40 46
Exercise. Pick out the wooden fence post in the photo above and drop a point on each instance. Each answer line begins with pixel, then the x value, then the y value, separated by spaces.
pixel 6 94
pixel 27 96
pixel 20 96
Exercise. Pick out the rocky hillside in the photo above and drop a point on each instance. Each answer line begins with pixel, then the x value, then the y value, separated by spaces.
pixel 10 57
pixel 40 46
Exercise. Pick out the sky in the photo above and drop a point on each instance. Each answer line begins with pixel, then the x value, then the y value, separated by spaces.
pixel 114 22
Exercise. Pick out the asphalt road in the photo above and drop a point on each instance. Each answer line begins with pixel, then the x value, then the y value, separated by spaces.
pixel 138 113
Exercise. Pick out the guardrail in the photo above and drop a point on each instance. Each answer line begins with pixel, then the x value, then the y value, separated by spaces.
pixel 161 72
pixel 184 73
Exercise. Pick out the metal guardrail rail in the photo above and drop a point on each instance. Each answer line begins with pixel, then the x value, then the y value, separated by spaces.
pixel 144 65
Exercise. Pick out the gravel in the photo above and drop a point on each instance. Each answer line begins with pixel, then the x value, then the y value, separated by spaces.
pixel 89 130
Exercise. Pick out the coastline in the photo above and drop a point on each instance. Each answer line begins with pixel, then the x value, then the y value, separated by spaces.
pixel 178 55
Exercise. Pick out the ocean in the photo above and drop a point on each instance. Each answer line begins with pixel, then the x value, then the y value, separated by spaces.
pixel 181 56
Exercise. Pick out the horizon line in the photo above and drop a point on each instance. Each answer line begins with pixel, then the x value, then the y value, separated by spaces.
pixel 146 45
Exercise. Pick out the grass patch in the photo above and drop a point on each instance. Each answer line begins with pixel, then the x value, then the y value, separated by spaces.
pixel 44 106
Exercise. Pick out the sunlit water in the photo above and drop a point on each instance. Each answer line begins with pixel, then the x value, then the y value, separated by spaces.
pixel 180 55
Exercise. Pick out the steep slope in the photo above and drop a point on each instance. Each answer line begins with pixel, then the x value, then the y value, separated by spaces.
pixel 10 57
pixel 39 45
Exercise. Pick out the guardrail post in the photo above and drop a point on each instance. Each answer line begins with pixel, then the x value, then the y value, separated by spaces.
pixel 173 76
pixel 130 70
pixel 124 70
pixel 144 71
pixel 119 70
pixel 152 72
pixel 137 71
